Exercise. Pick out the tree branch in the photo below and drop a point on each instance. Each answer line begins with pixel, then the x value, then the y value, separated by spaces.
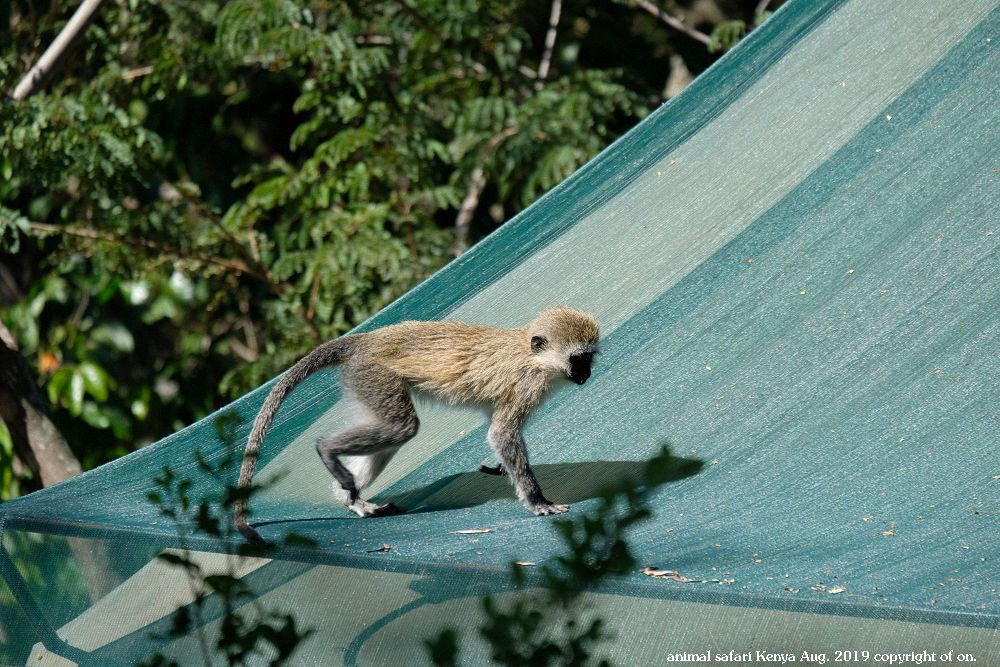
pixel 463 220
pixel 674 22
pixel 678 79
pixel 40 71
pixel 550 40
pixel 477 183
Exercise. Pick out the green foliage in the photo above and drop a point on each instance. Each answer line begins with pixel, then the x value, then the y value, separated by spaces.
pixel 538 629
pixel 726 35
pixel 243 636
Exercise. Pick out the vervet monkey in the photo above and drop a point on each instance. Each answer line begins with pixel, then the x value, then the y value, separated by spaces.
pixel 508 369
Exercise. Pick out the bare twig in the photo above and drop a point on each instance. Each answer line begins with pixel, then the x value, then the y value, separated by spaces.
pixel 477 183
pixel 249 351
pixel 507 132
pixel 550 39
pixel 128 75
pixel 314 294
pixel 464 219
pixel 40 71
pixel 678 79
pixel 254 248
pixel 242 350
pixel 674 22
pixel 7 338
pixel 411 241
pixel 374 40
pixel 81 310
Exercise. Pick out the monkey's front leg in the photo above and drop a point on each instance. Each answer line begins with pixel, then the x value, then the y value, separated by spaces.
pixel 506 440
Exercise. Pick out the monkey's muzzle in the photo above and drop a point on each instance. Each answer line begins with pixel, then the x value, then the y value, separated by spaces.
pixel 579 367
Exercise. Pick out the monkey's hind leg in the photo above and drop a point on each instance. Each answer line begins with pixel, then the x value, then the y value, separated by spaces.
pixel 391 421
pixel 365 469
pixel 368 441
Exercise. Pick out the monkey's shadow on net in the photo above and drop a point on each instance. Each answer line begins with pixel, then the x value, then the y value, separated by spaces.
pixel 561 482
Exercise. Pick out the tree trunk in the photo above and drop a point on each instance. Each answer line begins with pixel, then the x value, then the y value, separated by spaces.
pixel 37 441
pixel 40 446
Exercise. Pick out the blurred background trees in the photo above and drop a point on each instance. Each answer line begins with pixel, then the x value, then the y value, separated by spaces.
pixel 203 191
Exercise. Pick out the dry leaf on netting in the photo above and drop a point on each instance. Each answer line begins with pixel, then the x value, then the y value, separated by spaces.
pixel 470 531
pixel 666 574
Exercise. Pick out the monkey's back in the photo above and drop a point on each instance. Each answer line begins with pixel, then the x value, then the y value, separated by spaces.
pixel 460 362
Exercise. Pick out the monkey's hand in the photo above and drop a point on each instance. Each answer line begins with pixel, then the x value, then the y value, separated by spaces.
pixel 545 508
pixel 493 470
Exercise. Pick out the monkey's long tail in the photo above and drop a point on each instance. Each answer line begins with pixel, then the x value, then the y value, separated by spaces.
pixel 326 354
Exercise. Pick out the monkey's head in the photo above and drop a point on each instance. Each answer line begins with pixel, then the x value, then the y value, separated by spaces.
pixel 564 341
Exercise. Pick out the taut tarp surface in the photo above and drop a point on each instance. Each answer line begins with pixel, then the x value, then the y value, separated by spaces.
pixel 795 265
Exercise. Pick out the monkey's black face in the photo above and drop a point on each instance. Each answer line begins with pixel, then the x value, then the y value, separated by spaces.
pixel 579 366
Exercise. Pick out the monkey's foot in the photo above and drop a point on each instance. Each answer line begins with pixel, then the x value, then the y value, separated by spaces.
pixel 493 470
pixel 365 509
pixel 544 509
pixel 388 509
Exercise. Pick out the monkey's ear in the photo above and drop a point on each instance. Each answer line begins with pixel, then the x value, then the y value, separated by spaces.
pixel 538 343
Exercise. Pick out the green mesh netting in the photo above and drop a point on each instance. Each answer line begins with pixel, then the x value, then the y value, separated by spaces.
pixel 795 267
